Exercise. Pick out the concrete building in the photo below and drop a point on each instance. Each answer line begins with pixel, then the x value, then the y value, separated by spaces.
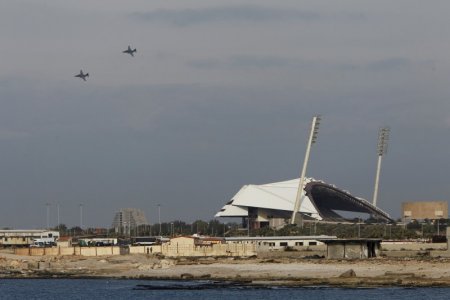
pixel 432 210
pixel 353 248
pixel 264 243
pixel 272 204
pixel 26 237
pixel 128 219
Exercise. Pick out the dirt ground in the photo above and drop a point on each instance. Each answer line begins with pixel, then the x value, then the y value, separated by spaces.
pixel 370 272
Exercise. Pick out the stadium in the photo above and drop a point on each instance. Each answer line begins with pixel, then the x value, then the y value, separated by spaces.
pixel 272 204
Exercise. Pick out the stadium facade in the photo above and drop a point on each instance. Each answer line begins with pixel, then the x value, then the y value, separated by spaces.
pixel 272 204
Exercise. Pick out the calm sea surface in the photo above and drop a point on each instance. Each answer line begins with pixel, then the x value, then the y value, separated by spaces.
pixel 140 289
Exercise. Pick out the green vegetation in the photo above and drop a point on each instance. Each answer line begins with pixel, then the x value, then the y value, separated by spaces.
pixel 413 230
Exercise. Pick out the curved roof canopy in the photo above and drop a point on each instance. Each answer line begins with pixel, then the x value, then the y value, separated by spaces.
pixel 327 199
pixel 321 201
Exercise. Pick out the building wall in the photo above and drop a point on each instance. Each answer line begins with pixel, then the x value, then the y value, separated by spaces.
pixel 352 250
pixel 145 249
pixel 183 241
pixel 174 250
pixel 24 237
pixel 81 251
pixel 210 250
pixel 16 241
pixel 425 210
pixel 268 244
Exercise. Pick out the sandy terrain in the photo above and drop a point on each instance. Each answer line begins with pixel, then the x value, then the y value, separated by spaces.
pixel 379 271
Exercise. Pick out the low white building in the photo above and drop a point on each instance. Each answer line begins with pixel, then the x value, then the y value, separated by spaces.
pixel 280 242
pixel 25 237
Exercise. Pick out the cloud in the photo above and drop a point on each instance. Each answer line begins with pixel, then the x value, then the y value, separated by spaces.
pixel 6 134
pixel 245 61
pixel 388 64
pixel 244 13
pixel 262 62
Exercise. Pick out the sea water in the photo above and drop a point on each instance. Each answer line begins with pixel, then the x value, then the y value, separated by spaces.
pixel 68 289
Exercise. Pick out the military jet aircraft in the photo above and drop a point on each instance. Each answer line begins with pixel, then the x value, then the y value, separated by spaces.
pixel 82 76
pixel 130 51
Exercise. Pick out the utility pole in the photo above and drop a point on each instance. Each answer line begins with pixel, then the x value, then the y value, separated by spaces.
pixel 383 137
pixel 312 140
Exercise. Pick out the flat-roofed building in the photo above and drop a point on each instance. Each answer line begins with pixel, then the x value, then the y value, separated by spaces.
pixel 280 242
pixel 422 210
pixel 25 237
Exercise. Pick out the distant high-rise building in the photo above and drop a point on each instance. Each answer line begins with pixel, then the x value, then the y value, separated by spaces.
pixel 128 219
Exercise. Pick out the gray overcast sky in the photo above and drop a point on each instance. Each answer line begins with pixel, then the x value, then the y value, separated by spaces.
pixel 220 94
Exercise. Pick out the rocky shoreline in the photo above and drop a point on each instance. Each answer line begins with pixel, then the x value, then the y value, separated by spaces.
pixel 379 272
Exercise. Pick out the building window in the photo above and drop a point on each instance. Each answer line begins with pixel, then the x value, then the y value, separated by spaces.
pixel 283 244
pixel 312 243
pixel 298 243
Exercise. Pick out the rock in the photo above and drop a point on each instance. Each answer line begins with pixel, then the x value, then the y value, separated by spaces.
pixel 186 276
pixel 396 274
pixel 145 267
pixel 348 274
pixel 210 258
pixel 165 264
pixel 156 266
pixel 14 264
pixel 43 265
pixel 102 260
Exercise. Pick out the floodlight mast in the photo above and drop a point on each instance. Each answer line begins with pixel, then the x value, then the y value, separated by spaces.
pixel 383 137
pixel 312 140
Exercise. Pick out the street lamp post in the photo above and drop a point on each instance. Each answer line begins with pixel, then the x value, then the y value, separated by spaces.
pixel 81 216
pixel 312 139
pixel 48 215
pixel 57 211
pixel 359 227
pixel 159 218
pixel 438 226
pixel 383 137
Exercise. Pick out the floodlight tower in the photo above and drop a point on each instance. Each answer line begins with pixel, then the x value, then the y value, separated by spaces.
pixel 312 140
pixel 383 137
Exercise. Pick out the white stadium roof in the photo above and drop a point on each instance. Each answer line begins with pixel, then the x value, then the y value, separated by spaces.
pixel 276 196
pixel 320 200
